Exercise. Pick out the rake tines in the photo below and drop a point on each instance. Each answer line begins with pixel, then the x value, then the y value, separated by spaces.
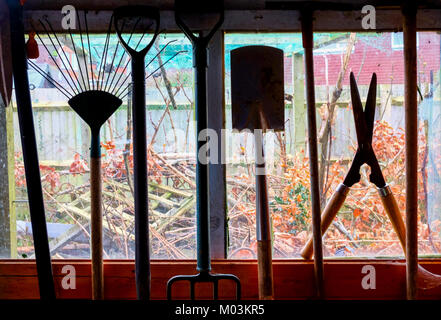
pixel 95 89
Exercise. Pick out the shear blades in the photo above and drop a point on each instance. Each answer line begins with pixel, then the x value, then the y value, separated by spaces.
pixel 364 126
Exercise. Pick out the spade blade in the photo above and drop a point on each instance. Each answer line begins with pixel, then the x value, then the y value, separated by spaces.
pixel 257 88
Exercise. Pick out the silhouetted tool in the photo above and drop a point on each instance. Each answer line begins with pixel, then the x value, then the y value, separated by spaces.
pixel 94 103
pixel 95 107
pixel 200 62
pixel 30 153
pixel 142 17
pixel 257 98
pixel 364 125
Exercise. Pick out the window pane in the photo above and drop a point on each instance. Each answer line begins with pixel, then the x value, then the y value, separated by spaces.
pixel 362 227
pixel 63 144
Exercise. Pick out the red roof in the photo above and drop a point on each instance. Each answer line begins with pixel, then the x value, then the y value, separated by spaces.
pixel 375 54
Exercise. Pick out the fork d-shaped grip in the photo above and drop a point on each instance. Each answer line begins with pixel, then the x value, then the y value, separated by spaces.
pixel 125 12
pixel 331 210
pixel 184 7
pixel 393 212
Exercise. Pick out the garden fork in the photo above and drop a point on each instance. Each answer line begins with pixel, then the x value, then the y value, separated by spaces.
pixel 200 45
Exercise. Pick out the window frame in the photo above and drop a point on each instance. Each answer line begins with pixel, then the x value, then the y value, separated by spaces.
pixel 248 21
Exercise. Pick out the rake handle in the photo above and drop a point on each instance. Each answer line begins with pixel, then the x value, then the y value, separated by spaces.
pixel 96 229
pixel 331 210
pixel 393 212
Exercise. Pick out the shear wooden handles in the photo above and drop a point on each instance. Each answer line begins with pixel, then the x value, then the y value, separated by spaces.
pixel 96 229
pixel 328 215
pixel 265 270
pixel 393 212
pixel 337 200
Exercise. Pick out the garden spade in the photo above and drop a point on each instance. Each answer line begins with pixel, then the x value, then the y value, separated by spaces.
pixel 257 91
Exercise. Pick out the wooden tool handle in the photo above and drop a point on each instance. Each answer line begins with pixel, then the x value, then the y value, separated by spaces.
pixel 393 212
pixel 265 270
pixel 96 229
pixel 263 222
pixel 331 210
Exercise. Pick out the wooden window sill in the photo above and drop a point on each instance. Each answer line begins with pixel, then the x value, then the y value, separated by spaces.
pixel 293 279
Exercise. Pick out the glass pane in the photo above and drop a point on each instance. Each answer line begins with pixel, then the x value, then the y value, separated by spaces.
pixel 361 227
pixel 63 144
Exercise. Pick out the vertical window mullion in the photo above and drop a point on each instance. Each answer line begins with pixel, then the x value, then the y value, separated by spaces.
pixel 216 121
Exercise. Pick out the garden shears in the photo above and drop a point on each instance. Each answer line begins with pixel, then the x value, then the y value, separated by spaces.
pixel 364 126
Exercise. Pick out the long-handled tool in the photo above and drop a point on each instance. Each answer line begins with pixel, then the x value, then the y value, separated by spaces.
pixel 94 93
pixel 95 107
pixel 308 45
pixel 364 124
pixel 94 98
pixel 257 99
pixel 140 17
pixel 409 10
pixel 89 99
pixel 30 155
pixel 200 45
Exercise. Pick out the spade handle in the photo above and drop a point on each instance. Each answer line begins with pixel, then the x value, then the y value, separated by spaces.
pixel 263 223
pixel 265 270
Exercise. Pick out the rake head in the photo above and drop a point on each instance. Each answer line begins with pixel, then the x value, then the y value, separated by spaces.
pixel 204 277
pixel 95 107
pixel 93 66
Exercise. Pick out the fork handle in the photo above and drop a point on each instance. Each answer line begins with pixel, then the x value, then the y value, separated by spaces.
pixel 331 210
pixel 393 212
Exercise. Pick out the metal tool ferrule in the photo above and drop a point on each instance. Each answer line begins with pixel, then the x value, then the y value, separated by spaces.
pixel 342 188
pixel 384 191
